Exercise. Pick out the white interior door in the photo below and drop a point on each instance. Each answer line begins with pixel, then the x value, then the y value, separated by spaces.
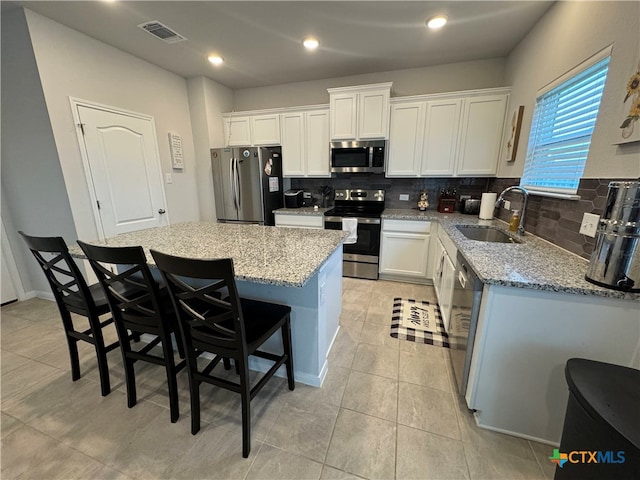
pixel 125 172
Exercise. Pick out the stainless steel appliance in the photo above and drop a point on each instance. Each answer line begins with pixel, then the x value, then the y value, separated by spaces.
pixel 247 184
pixel 470 206
pixel 358 157
pixel 467 295
pixel 615 261
pixel 360 259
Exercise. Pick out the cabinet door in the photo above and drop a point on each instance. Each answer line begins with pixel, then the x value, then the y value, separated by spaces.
pixel 440 137
pixel 266 129
pixel 404 254
pixel 293 162
pixel 405 140
pixel 446 289
pixel 373 114
pixel 343 116
pixel 237 131
pixel 440 253
pixel 481 135
pixel 317 143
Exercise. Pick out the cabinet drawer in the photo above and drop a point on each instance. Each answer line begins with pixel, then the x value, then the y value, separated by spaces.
pixel 299 221
pixel 412 226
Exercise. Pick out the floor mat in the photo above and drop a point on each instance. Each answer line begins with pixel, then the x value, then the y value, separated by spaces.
pixel 418 321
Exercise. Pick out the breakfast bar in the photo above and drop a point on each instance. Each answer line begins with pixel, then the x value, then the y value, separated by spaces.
pixel 296 267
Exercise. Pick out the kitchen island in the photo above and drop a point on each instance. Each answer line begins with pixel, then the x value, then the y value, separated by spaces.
pixel 296 267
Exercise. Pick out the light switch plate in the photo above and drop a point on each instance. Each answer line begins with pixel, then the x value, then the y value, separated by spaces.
pixel 589 224
pixel 168 177
pixel 404 197
pixel 507 205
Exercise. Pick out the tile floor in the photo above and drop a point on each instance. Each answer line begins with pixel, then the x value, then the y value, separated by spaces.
pixel 386 410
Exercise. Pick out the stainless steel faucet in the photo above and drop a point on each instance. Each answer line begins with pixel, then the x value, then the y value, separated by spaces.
pixel 525 199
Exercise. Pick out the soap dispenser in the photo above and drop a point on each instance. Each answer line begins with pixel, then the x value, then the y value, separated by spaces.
pixel 514 221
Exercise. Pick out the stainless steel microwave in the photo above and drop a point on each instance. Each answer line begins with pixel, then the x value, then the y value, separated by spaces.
pixel 358 157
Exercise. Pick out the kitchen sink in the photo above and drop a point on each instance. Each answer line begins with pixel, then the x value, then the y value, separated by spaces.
pixel 486 234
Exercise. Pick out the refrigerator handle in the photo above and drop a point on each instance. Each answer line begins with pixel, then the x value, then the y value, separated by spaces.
pixel 238 192
pixel 233 192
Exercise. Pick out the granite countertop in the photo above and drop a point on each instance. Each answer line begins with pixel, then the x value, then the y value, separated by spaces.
pixel 534 263
pixel 309 211
pixel 274 256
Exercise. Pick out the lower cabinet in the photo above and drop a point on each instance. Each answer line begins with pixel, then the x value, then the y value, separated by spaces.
pixel 444 279
pixel 404 249
pixel 299 221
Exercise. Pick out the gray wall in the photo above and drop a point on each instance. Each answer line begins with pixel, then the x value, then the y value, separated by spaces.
pixel 207 101
pixel 34 195
pixel 568 34
pixel 72 64
pixel 436 79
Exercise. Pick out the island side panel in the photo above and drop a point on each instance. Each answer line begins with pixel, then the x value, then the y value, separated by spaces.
pixel 315 315
pixel 524 339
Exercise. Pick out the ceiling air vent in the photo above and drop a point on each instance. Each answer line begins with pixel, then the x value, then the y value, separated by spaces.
pixel 161 31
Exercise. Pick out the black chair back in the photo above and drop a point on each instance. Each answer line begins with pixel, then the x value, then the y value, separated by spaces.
pixel 67 283
pixel 207 300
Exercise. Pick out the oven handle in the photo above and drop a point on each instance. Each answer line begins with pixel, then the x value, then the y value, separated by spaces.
pixel 371 221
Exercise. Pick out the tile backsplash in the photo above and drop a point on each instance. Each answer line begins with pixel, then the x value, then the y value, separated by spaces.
pixel 555 220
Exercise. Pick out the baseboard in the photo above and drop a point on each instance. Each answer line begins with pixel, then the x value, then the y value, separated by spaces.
pixel 515 434
pixel 38 294
pixel 400 278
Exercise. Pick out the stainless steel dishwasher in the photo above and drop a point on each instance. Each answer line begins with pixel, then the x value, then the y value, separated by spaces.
pixel 467 295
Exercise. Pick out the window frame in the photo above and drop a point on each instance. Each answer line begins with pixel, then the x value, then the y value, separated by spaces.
pixel 563 80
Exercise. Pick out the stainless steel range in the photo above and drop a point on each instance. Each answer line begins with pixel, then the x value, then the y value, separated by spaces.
pixel 360 259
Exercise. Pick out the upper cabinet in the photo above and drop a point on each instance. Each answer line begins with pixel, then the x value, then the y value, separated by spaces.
pixel 481 135
pixel 237 130
pixel 360 113
pixel 305 143
pixel 247 130
pixel 446 135
pixel 266 129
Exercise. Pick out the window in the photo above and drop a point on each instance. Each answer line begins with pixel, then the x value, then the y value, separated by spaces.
pixel 563 121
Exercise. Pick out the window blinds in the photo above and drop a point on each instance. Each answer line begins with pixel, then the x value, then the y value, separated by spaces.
pixel 563 121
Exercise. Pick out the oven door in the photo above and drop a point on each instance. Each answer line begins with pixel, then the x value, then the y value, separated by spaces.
pixel 360 259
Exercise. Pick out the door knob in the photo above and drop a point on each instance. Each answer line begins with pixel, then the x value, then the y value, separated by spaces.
pixel 162 211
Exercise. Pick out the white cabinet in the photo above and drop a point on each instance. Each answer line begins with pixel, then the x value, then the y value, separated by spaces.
pixel 266 129
pixel 444 279
pixel 237 131
pixel 440 137
pixel 449 135
pixel 305 143
pixel 446 289
pixel 299 221
pixel 404 249
pixel 293 161
pixel 360 113
pixel 481 135
pixel 405 145
pixel 247 130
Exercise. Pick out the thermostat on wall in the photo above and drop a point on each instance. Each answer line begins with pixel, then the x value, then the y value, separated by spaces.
pixel 177 158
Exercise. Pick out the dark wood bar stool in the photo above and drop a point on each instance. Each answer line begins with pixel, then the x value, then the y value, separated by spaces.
pixel 141 309
pixel 73 295
pixel 214 319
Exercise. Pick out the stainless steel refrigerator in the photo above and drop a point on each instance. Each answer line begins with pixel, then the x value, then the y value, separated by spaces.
pixel 247 184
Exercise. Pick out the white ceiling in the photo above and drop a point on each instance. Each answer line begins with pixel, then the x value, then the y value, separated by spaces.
pixel 261 41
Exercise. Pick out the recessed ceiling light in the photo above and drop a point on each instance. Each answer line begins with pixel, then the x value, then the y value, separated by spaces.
pixel 310 43
pixel 437 22
pixel 215 59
